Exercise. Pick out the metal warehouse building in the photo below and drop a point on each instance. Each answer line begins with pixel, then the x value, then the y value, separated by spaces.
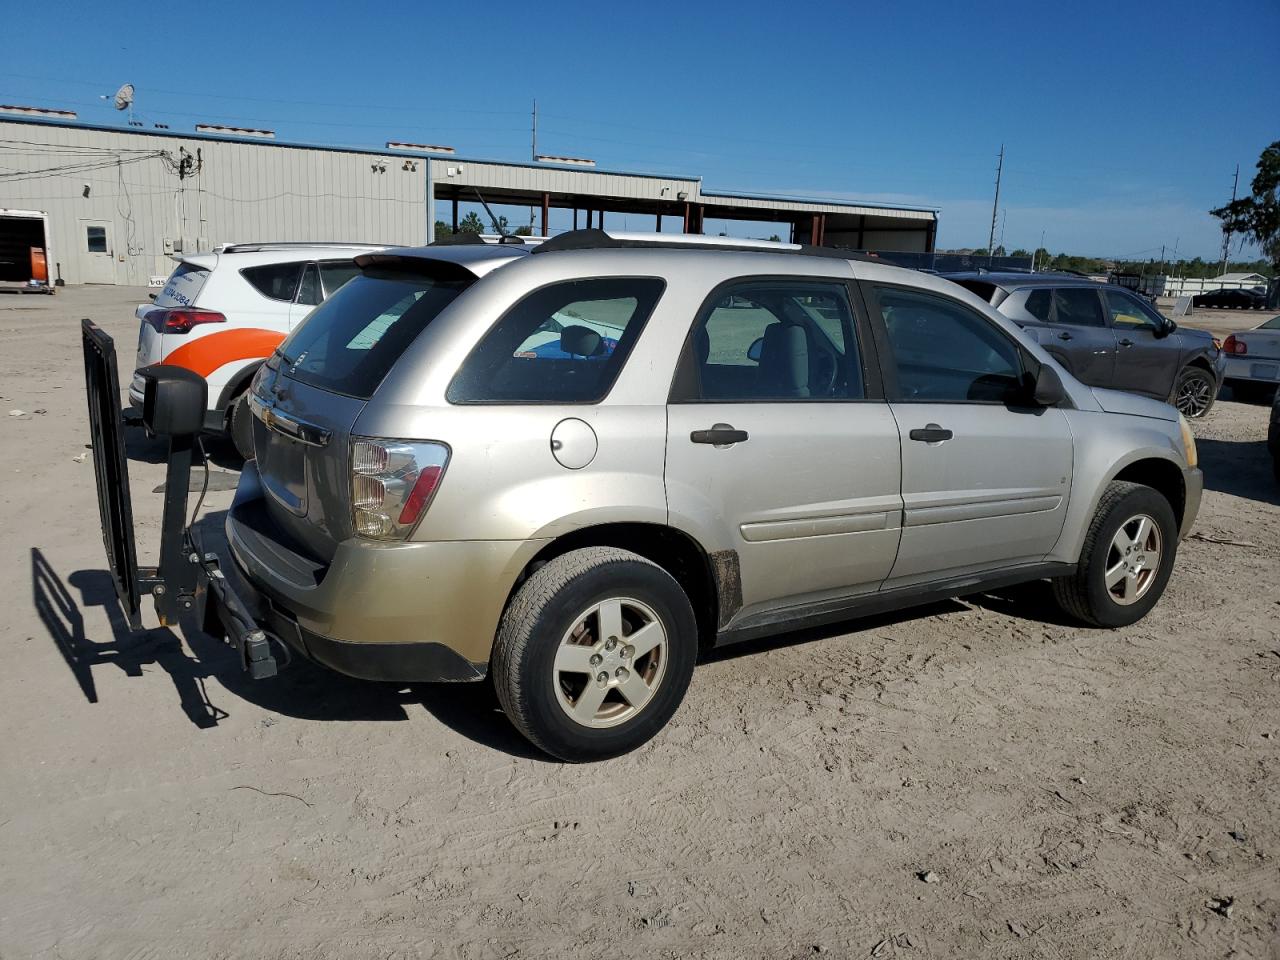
pixel 119 202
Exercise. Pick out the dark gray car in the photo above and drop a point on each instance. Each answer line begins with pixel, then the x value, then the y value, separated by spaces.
pixel 1108 336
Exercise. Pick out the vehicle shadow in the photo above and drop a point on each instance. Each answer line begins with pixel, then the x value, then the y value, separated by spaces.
pixel 141 448
pixel 1031 601
pixel 1241 468
pixel 302 689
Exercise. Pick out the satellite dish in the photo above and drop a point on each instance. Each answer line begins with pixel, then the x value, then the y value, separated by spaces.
pixel 124 97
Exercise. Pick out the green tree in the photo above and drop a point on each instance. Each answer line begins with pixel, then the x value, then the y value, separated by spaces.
pixel 1041 255
pixel 999 251
pixel 524 230
pixel 471 223
pixel 1025 254
pixel 443 229
pixel 1258 216
pixel 980 252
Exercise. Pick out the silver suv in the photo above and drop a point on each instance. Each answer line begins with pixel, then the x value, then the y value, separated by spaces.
pixel 575 470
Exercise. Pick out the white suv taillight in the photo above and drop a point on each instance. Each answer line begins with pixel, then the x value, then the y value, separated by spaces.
pixel 392 483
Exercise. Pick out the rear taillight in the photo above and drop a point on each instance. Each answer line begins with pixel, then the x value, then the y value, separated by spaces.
pixel 1235 347
pixel 181 319
pixel 392 484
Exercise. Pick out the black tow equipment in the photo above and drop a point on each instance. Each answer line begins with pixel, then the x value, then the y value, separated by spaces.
pixel 188 579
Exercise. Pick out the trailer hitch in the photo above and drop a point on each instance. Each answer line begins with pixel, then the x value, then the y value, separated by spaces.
pixel 188 580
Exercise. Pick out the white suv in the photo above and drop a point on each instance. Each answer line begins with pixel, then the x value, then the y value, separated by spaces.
pixel 222 313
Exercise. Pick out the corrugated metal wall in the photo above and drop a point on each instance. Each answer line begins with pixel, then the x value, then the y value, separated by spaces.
pixel 241 192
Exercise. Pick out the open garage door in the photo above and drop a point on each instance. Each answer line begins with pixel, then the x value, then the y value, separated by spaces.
pixel 24 248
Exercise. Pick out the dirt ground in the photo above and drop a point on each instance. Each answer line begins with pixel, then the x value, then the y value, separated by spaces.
pixel 976 778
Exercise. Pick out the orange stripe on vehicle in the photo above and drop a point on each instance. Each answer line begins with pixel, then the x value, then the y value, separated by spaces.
pixel 210 352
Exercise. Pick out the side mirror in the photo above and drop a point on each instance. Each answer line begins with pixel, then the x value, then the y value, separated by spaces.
pixel 756 350
pixel 1169 327
pixel 1048 391
pixel 173 400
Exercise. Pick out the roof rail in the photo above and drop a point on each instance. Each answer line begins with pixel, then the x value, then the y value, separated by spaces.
pixel 256 246
pixel 600 240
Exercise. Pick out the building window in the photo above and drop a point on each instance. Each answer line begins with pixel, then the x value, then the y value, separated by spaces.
pixel 96 239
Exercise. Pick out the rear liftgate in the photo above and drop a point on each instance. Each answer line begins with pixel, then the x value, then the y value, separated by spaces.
pixel 188 579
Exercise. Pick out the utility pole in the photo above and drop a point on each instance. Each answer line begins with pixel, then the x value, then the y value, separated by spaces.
pixel 1226 234
pixel 995 207
pixel 1004 220
pixel 1035 255
pixel 533 151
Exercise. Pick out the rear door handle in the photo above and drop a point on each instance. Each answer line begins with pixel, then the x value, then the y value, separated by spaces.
pixel 932 433
pixel 1064 335
pixel 1126 342
pixel 720 435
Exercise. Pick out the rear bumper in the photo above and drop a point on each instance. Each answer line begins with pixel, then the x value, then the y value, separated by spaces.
pixel 1241 368
pixel 401 612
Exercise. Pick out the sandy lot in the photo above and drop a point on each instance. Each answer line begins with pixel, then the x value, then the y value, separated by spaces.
pixel 1074 793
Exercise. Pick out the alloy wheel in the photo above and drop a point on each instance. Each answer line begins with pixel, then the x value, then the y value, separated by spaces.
pixel 610 662
pixel 1133 560
pixel 1194 396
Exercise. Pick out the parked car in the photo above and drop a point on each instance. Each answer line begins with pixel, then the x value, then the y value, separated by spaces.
pixel 777 439
pixel 1253 360
pixel 1236 298
pixel 1273 435
pixel 1107 336
pixel 222 313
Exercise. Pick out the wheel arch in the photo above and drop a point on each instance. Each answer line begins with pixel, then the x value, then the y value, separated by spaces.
pixel 236 386
pixel 1162 475
pixel 704 577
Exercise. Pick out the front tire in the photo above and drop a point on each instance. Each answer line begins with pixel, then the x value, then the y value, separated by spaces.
pixel 594 653
pixel 1126 560
pixel 1193 392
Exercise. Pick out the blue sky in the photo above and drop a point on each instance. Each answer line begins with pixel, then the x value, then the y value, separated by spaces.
pixel 1122 123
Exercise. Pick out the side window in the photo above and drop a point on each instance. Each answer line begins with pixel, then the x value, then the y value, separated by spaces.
pixel 775 340
pixel 565 343
pixel 1078 306
pixel 276 281
pixel 945 352
pixel 1040 304
pixel 309 289
pixel 1127 312
pixel 335 273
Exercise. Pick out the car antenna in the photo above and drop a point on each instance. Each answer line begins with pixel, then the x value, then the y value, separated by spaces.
pixel 497 227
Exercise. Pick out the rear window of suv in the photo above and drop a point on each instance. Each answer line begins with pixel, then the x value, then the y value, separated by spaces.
pixel 564 343
pixel 183 286
pixel 350 342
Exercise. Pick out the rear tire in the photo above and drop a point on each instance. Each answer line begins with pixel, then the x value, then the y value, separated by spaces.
pixel 557 640
pixel 1193 392
pixel 241 422
pixel 1103 592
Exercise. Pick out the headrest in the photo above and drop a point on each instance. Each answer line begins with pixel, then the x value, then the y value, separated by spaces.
pixel 701 344
pixel 580 341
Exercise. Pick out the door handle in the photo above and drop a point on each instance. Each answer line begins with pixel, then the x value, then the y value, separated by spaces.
pixel 1064 336
pixel 720 435
pixel 931 433
pixel 1126 342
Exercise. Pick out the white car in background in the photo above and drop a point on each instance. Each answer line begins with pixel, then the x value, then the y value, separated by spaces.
pixel 1253 361
pixel 222 313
